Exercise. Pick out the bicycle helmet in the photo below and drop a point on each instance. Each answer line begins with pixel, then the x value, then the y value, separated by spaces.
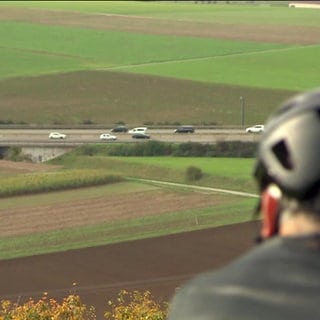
pixel 289 150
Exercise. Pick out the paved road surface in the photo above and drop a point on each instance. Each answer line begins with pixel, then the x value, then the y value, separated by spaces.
pixel 12 136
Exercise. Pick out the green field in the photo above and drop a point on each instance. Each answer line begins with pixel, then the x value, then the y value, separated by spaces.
pixel 81 49
pixel 220 13
pixel 205 60
pixel 150 55
pixel 243 68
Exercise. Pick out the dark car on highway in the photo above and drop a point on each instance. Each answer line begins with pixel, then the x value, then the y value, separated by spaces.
pixel 140 135
pixel 119 129
pixel 184 129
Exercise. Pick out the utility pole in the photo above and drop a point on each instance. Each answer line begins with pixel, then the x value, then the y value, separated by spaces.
pixel 242 106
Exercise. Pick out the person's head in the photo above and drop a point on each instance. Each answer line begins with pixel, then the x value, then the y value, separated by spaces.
pixel 287 168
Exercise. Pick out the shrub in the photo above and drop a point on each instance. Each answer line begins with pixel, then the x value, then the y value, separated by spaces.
pixel 88 150
pixel 149 148
pixel 191 149
pixel 237 149
pixel 15 154
pixel 193 173
pixel 87 121
pixel 156 148
pixel 6 121
pixel 136 305
pixel 133 305
pixel 71 308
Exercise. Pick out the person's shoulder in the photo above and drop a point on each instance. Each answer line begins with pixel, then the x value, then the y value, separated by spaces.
pixel 214 292
pixel 243 264
pixel 216 289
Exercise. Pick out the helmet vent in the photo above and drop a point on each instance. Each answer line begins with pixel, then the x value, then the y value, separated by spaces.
pixel 280 150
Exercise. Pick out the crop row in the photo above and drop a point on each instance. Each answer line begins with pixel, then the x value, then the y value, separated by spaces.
pixel 51 181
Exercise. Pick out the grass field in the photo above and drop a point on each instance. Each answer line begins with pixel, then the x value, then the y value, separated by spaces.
pixel 81 48
pixel 170 10
pixel 230 173
pixel 183 56
pixel 243 68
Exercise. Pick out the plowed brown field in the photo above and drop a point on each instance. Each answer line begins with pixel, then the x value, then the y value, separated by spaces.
pixel 84 212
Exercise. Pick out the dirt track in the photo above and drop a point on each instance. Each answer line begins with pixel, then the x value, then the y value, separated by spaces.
pixel 158 264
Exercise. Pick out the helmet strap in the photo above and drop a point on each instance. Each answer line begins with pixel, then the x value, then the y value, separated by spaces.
pixel 270 210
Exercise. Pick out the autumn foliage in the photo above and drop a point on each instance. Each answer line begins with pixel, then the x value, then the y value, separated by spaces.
pixel 129 305
pixel 71 308
pixel 136 305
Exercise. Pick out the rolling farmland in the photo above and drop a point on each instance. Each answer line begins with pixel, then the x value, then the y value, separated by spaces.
pixel 71 63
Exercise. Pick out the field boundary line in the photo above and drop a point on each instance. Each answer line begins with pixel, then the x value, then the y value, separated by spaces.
pixel 205 58
pixel 101 287
pixel 181 185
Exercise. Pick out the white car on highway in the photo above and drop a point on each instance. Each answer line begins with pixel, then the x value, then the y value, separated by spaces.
pixel 108 137
pixel 138 130
pixel 57 135
pixel 258 128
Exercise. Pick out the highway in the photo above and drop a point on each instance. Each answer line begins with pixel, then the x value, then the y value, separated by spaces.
pixel 82 136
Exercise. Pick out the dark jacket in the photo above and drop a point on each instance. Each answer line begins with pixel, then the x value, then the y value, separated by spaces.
pixel 279 279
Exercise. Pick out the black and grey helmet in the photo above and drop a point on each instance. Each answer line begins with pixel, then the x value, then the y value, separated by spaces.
pixel 289 150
